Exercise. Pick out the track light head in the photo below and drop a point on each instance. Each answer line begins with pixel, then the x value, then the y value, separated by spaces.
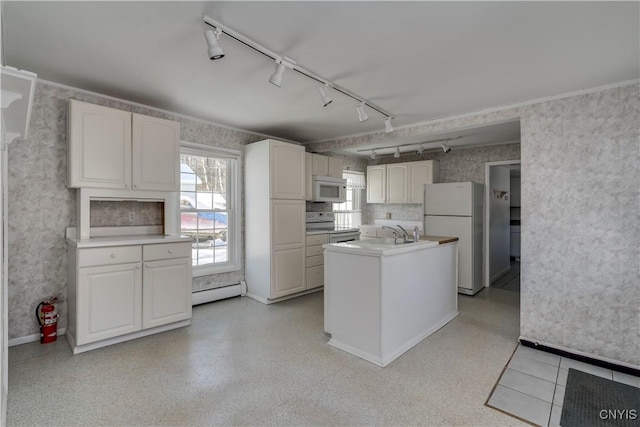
pixel 214 51
pixel 281 65
pixel 362 115
pixel 420 150
pixel 397 153
pixel 324 98
pixel 276 77
pixel 373 155
pixel 445 147
pixel 387 125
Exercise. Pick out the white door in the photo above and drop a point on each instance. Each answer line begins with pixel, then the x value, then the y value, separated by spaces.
pixel 452 198
pixel 109 301
pixel 166 292
pixel 320 165
pixel 336 165
pixel 156 154
pixel 460 227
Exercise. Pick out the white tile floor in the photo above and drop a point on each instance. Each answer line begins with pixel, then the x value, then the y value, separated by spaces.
pixel 533 384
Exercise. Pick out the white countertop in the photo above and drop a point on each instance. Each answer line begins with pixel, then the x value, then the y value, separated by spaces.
pixel 379 247
pixel 336 230
pixel 139 239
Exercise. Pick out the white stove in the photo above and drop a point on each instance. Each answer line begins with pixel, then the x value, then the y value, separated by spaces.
pixel 324 222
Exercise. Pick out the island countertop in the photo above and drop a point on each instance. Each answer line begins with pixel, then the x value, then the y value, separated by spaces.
pixel 385 246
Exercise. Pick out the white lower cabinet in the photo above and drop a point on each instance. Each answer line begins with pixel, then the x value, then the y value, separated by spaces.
pixel 109 302
pixel 315 260
pixel 166 298
pixel 118 293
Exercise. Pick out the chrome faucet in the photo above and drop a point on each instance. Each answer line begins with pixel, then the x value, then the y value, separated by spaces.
pixel 395 231
pixel 405 235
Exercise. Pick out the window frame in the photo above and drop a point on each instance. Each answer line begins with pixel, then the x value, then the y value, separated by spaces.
pixel 234 219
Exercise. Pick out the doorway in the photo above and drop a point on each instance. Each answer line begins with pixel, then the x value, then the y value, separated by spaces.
pixel 502 225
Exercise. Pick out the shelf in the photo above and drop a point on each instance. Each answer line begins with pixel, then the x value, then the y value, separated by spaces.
pixel 18 88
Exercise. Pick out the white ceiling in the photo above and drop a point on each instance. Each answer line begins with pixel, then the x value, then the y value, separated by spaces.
pixel 418 60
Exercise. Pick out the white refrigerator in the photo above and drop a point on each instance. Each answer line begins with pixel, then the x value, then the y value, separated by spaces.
pixel 455 209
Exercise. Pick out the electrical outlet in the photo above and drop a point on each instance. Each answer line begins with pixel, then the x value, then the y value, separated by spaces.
pixel 132 217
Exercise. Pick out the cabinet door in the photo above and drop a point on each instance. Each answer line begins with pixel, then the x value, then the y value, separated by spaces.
pixel 320 165
pixel 109 301
pixel 376 183
pixel 420 173
pixel 336 165
pixel 99 151
pixel 166 292
pixel 156 154
pixel 288 238
pixel 308 172
pixel 397 183
pixel 286 163
pixel 288 272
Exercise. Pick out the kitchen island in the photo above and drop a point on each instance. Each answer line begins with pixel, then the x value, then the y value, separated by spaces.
pixel 381 298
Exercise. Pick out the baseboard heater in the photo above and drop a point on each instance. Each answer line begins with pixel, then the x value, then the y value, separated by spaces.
pixel 582 357
pixel 209 295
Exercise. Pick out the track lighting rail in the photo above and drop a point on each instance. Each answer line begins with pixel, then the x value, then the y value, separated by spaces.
pixel 445 140
pixel 295 67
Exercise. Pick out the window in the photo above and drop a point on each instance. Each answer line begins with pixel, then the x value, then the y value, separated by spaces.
pixel 349 213
pixel 209 187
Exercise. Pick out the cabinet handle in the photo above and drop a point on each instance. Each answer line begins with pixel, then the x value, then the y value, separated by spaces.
pixel 135 186
pixel 137 267
pixel 126 186
pixel 114 256
pixel 170 251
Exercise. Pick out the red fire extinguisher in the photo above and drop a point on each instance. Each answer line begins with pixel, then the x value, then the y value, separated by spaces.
pixel 47 315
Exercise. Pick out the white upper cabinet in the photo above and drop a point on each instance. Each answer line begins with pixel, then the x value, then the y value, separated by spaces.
pixel 110 148
pixel 377 184
pixel 400 182
pixel 320 165
pixel 99 146
pixel 336 165
pixel 287 170
pixel 397 183
pixel 156 154
pixel 419 174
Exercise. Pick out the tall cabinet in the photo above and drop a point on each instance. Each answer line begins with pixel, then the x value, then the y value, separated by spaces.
pixel 274 220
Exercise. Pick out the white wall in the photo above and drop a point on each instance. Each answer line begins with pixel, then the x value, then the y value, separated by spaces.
pixel 499 214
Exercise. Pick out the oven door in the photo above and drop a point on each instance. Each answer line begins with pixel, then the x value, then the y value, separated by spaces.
pixel 348 236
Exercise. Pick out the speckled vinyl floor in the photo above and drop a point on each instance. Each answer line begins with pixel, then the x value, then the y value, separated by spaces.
pixel 245 363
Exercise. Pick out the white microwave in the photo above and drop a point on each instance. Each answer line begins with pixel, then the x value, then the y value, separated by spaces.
pixel 329 189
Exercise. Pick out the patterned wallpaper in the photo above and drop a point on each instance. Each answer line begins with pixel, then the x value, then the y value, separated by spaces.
pixel 580 264
pixel 580 199
pixel 41 206
pixel 113 214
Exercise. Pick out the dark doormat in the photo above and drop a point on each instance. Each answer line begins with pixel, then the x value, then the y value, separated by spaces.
pixel 593 401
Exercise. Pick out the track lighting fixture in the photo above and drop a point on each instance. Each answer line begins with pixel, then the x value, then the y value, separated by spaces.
pixel 420 150
pixel 214 51
pixel 445 147
pixel 362 115
pixel 387 125
pixel 324 98
pixel 373 155
pixel 397 153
